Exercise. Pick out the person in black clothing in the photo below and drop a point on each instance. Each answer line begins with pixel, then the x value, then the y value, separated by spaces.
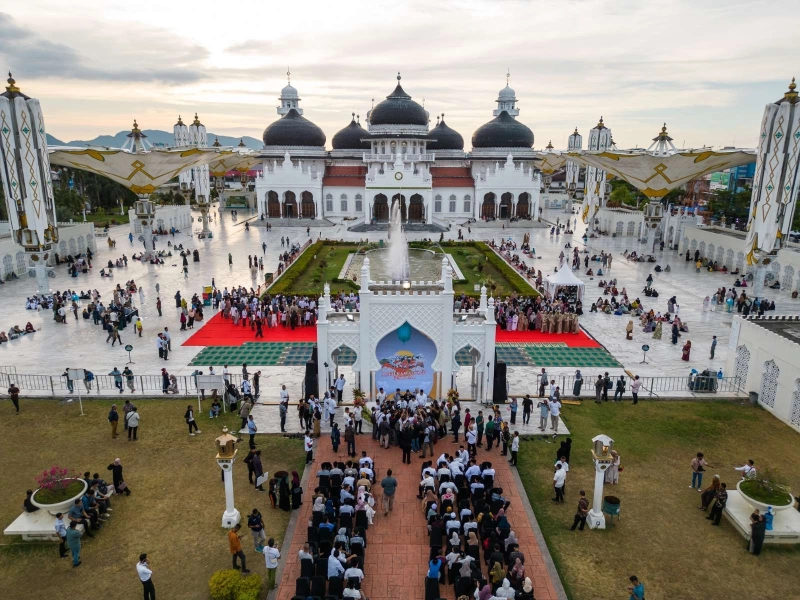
pixel 759 529
pixel 527 404
pixel 719 505
pixel 248 460
pixel 405 443
pixel 455 425
pixel 606 382
pixel 120 485
pixel 27 504
pixel 564 449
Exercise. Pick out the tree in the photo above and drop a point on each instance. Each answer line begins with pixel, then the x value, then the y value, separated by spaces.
pixel 619 196
pixel 731 205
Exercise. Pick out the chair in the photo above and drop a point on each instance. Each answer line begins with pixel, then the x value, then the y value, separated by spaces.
pixel 361 519
pixel 335 586
pixel 464 586
pixel 316 518
pixel 313 534
pixel 318 586
pixel 431 588
pixel 324 481
pixel 357 549
pixel 346 521
pixel 302 587
pixel 321 567
pixel 436 538
pixel 336 481
pixel 307 568
pixel 488 481
pixel 460 480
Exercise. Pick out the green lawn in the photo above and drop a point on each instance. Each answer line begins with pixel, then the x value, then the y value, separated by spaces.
pixel 480 266
pixel 662 537
pixel 110 218
pixel 173 513
pixel 320 263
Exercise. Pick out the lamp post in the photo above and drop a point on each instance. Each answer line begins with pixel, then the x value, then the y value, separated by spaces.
pixel 571 191
pixel 226 456
pixel 145 213
pixel 601 453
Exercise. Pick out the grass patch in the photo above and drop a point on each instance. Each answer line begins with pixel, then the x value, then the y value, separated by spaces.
pixel 106 219
pixel 765 493
pixel 55 496
pixel 481 266
pixel 320 263
pixel 662 535
pixel 173 514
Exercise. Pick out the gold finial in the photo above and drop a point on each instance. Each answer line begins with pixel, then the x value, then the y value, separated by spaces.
pixel 216 143
pixel 180 121
pixel 241 143
pixel 135 126
pixel 196 120
pixel 664 130
pixel 791 95
pixel 600 124
pixel 13 89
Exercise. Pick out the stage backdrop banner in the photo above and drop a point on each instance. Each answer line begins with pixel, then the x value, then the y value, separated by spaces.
pixel 406 356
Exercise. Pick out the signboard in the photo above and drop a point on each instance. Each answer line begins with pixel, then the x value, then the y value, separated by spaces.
pixel 76 374
pixel 210 382
pixel 646 348
pixel 406 357
pixel 128 348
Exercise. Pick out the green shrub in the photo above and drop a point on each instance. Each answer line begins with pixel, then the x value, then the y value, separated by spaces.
pixel 228 584
pixel 768 487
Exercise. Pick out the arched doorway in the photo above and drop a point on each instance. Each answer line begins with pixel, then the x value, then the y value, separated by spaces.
pixel 307 207
pixel 380 208
pixel 505 205
pixel 416 209
pixel 273 205
pixel 487 208
pixel 524 205
pixel 290 205
pixel 403 208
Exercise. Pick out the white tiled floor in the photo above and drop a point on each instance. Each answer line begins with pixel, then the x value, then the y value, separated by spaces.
pixel 81 344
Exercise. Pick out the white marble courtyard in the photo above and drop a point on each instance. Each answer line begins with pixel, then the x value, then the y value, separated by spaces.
pixel 80 344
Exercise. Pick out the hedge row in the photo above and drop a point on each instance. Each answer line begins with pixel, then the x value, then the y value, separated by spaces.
pixel 297 268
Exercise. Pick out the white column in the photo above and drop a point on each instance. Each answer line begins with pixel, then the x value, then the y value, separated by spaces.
pixel 231 516
pixel 42 280
pixel 597 519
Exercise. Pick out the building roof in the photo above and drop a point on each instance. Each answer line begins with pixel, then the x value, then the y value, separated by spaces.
pixel 345 176
pixel 398 109
pixel 451 177
pixel 504 131
pixel 443 137
pixel 351 137
pixel 293 129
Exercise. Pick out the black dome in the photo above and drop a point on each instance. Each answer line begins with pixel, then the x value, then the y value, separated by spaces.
pixel 293 130
pixel 350 137
pixel 445 138
pixel 504 131
pixel 398 109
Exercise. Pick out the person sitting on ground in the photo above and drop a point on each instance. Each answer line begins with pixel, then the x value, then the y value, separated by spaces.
pixel 29 327
pixel 28 504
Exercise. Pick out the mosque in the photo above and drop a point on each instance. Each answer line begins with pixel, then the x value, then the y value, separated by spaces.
pixel 398 157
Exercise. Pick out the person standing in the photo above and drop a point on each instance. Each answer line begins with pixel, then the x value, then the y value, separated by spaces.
pixel 133 425
pixel 113 419
pixel 146 577
pixel 479 425
pixel 74 542
pixel 606 386
pixel 350 439
pixel 636 588
pixel 158 306
pixel 235 545
pixel 116 477
pixel 719 505
pixel 339 388
pixel 309 447
pixel 514 448
pixel 598 389
pixel 555 413
pixel 619 391
pixel 636 385
pixel 713 346
pixel 252 429
pixel 513 408
pixel 283 408
pixel 698 465
pixel 189 416
pixel 61 531
pixel 271 556
pixel 117 378
pixel 13 393
pixel 389 486
pixel 527 404
pixel 559 478
pixel 543 379
pixel 256 524
pixel 758 528
pixel 581 513
pixel 129 381
pixel 164 380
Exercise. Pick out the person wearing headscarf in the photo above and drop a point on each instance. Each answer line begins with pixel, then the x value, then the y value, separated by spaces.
pixel 342 537
pixel 612 472
pixel 629 330
pixel 483 593
pixel 564 450
pixel 319 504
pixel 284 499
pixel 527 590
pixel 297 491
pixel 506 591
pixel 518 573
pixel 497 575
pixel 576 387
pixel 455 540
pixel 511 539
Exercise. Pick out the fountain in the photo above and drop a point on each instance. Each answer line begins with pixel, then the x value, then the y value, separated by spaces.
pixel 398 245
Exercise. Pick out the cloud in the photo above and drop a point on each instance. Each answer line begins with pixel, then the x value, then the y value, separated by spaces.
pixel 31 55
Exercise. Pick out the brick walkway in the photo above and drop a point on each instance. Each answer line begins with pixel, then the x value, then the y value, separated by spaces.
pixel 397 550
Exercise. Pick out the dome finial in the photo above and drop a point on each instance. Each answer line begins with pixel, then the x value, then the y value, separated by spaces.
pixel 508 74
pixel 196 120
pixel 398 76
pixel 791 95
pixel 353 115
pixel 288 76
pixel 12 88
pixel 437 120
pixel 442 116
pixel 216 143
pixel 241 143
pixel 423 103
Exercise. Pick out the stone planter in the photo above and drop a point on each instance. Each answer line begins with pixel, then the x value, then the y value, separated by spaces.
pixel 64 505
pixel 761 506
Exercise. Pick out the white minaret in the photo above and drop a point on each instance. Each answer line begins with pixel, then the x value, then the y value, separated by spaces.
pixel 574 144
pixel 181 135
pixel 289 97
pixel 776 183
pixel 197 138
pixel 25 174
pixel 594 193
pixel 507 100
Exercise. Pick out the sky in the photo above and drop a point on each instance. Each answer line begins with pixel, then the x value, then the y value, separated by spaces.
pixel 707 68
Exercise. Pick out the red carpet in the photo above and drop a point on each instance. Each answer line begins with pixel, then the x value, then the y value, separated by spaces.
pixel 573 340
pixel 221 332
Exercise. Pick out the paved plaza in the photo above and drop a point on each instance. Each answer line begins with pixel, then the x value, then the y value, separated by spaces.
pixel 80 344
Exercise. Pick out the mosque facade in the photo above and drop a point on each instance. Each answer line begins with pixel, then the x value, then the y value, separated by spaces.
pixel 396 155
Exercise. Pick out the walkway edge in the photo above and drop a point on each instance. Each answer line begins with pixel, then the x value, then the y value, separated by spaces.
pixel 288 536
pixel 537 532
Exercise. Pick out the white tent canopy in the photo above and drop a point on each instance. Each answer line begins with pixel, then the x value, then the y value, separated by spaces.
pixel 561 279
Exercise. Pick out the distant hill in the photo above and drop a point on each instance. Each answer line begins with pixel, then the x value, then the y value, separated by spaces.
pixel 155 137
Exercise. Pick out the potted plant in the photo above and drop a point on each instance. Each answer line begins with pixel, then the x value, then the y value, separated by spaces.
pixel 765 490
pixel 57 490
pixel 452 397
pixel 359 397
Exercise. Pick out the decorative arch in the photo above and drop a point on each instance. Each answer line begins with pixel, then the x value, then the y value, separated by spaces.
pixel 720 255
pixel 631 229
pixel 702 248
pixel 694 246
pixel 740 261
pixel 794 412
pixel 710 251
pixel 380 208
pixel 618 228
pixel 524 205
pixel 406 357
pixel 769 384
pixel 273 205
pixel 729 259
pixel 403 208
pixel 344 356
pixel 506 201
pixel 8 265
pixel 307 207
pixel 468 356
pixel 488 206
pixel 451 204
pixel 437 203
pixel 416 209
pixel 788 277
pixel 290 205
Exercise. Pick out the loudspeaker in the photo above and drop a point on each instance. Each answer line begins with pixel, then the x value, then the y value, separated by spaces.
pixel 310 383
pixel 499 390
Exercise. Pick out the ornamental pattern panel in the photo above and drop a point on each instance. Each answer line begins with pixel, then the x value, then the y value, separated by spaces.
pixel 427 318
pixel 794 414
pixel 742 365
pixel 788 278
pixel 344 339
pixel 769 384
pixel 461 340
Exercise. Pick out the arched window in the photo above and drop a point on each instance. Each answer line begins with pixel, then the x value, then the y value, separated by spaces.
pixel 437 204
pixel 452 203
pixel 359 204
pixel 344 203
pixel 329 202
pixel 467 203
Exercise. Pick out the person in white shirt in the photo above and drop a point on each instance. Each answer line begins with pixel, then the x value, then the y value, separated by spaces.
pixel 352 592
pixel 559 479
pixel 339 388
pixel 365 460
pixel 380 396
pixel 555 411
pixel 515 448
pixel 354 572
pixel 284 395
pixel 271 556
pixel 472 471
pixel 564 464
pixel 309 446
pixel 748 470
pixel 304 553
pixel 146 577
pixel 226 374
pixel 335 567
